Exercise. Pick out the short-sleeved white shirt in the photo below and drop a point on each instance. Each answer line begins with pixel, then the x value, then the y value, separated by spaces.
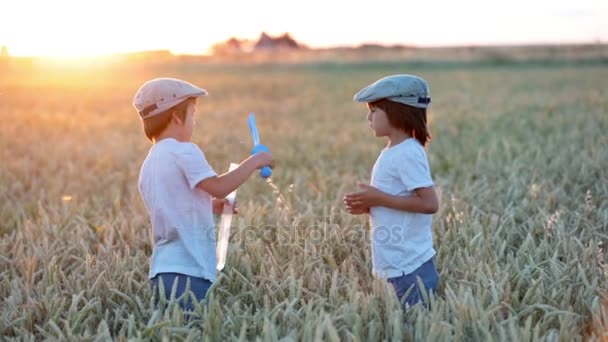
pixel 401 241
pixel 183 230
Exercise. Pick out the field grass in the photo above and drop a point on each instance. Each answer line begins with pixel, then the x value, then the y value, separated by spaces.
pixel 519 155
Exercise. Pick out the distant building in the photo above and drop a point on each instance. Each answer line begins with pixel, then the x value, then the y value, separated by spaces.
pixel 266 42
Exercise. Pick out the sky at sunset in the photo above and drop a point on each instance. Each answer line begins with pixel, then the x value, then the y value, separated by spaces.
pixel 95 27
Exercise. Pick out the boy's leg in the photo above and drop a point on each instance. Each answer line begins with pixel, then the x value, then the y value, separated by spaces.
pixel 429 276
pixel 198 286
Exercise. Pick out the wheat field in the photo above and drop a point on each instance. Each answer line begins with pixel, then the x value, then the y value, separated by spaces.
pixel 519 156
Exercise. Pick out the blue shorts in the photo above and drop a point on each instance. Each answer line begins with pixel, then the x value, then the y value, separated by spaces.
pixel 198 286
pixel 429 276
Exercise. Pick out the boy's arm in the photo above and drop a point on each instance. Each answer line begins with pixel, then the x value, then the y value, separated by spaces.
pixel 221 186
pixel 423 201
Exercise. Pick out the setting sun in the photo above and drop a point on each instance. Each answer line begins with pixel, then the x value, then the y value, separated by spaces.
pixel 84 29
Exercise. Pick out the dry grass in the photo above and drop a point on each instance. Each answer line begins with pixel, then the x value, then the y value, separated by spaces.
pixel 519 155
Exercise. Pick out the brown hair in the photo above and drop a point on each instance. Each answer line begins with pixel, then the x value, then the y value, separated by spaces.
pixel 411 120
pixel 155 125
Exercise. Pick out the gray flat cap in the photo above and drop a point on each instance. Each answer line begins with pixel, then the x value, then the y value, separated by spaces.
pixel 407 89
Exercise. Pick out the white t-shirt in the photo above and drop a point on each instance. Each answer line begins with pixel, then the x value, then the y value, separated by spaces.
pixel 401 241
pixel 183 230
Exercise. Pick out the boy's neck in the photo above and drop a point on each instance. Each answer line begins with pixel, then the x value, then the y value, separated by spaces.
pixel 169 134
pixel 396 137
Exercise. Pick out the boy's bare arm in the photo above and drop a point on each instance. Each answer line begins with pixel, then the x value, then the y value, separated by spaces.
pixel 221 186
pixel 423 201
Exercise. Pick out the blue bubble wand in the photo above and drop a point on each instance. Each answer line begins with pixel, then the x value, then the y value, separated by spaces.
pixel 265 171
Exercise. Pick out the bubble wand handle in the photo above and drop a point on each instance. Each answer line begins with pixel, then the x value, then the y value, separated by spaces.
pixel 224 227
pixel 265 171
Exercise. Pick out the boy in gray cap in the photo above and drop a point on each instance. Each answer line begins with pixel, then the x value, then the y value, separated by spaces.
pixel 181 191
pixel 401 197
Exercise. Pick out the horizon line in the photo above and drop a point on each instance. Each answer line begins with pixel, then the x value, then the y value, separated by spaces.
pixel 594 42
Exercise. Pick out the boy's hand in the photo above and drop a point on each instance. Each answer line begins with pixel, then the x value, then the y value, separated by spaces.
pixel 357 210
pixel 359 202
pixel 218 206
pixel 263 159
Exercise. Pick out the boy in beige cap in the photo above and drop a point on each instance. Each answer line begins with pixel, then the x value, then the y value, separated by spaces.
pixel 181 191
pixel 401 197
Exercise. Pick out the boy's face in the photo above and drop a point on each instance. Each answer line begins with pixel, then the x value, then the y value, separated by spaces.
pixel 190 121
pixel 378 121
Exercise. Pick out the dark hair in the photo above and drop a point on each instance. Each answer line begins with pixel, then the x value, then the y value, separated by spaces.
pixel 155 125
pixel 411 120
